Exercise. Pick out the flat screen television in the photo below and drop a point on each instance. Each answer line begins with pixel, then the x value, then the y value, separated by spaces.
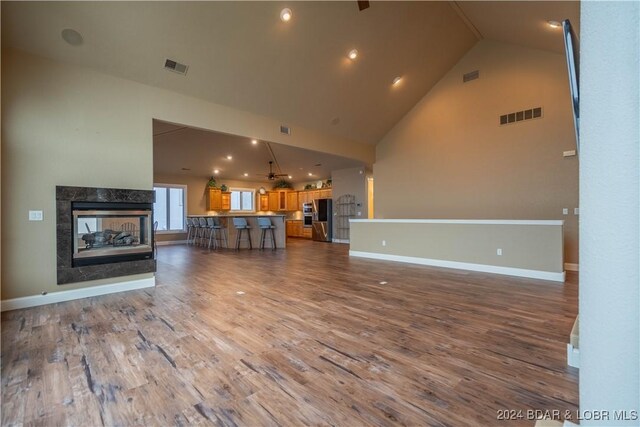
pixel 572 52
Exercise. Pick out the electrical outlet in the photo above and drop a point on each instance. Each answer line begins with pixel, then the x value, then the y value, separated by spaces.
pixel 569 153
pixel 565 211
pixel 384 243
pixel 499 251
pixel 35 215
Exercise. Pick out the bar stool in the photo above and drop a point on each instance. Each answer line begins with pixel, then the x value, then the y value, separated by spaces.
pixel 220 232
pixel 203 230
pixel 240 225
pixel 265 225
pixel 189 230
pixel 216 232
pixel 195 227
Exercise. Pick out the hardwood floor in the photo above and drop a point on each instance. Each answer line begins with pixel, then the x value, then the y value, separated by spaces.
pixel 302 336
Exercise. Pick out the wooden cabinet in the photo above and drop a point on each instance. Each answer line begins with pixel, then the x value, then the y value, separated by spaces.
pixel 214 201
pixel 294 228
pixel 273 200
pixel 280 200
pixel 292 201
pixel 308 196
pixel 218 200
pixel 325 193
pixel 302 199
pixel 263 202
pixel 225 197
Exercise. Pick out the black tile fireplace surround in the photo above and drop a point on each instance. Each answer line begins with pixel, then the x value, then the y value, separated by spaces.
pixel 68 198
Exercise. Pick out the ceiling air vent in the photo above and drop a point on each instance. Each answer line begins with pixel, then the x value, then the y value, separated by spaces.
pixel 470 76
pixel 286 130
pixel 519 116
pixel 175 66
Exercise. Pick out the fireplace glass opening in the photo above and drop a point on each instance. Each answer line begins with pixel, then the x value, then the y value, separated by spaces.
pixel 110 234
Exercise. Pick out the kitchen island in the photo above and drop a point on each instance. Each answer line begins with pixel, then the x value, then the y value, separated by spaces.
pixel 252 220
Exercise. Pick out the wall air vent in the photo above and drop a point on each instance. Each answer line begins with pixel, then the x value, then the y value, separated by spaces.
pixel 519 116
pixel 175 66
pixel 470 76
pixel 286 130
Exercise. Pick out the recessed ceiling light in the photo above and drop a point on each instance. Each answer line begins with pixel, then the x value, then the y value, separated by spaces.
pixel 245 174
pixel 216 171
pixel 353 54
pixel 229 157
pixel 397 80
pixel 554 24
pixel 72 37
pixel 310 174
pixel 254 141
pixel 290 177
pixel 285 14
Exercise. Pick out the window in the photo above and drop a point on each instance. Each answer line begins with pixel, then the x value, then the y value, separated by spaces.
pixel 169 208
pixel 242 199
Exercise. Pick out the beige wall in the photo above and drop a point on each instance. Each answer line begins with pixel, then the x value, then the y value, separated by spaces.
pixel 449 158
pixel 64 125
pixel 524 246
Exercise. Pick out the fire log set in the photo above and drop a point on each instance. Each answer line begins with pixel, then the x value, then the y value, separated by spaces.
pixel 99 239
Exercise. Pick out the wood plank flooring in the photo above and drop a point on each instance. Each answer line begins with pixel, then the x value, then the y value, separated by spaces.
pixel 302 336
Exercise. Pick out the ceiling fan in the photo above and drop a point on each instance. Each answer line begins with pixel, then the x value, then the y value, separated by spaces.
pixel 272 175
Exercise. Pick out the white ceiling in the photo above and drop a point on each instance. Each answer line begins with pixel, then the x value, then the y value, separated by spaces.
pixel 176 147
pixel 241 55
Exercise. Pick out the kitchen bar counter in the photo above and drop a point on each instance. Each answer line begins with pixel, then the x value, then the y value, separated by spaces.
pixel 252 220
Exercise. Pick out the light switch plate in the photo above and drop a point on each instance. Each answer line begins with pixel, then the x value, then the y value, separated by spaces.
pixel 569 153
pixel 565 211
pixel 576 211
pixel 35 216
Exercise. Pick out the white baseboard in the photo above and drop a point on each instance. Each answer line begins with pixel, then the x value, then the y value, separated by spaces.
pixel 573 356
pixel 509 271
pixel 571 267
pixel 340 240
pixel 171 242
pixel 72 294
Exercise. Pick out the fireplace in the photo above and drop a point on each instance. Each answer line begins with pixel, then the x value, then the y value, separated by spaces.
pixel 111 232
pixel 103 233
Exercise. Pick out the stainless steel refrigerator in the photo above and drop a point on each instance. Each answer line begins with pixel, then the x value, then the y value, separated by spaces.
pixel 322 224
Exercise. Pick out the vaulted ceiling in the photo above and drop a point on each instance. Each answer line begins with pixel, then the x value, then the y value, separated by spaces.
pixel 240 54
